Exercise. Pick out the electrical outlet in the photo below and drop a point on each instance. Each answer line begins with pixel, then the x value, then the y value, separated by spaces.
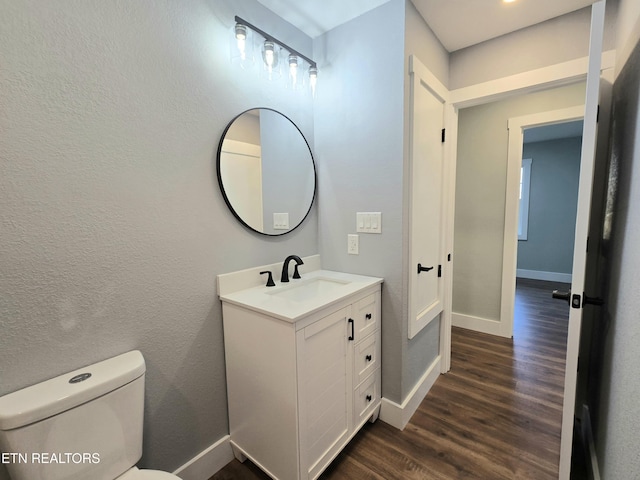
pixel 352 244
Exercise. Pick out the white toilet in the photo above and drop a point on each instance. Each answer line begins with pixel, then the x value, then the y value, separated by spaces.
pixel 85 425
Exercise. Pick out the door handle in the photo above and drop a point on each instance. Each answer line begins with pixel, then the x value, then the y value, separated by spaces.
pixel 592 301
pixel 423 269
pixel 586 300
pixel 352 336
pixel 562 295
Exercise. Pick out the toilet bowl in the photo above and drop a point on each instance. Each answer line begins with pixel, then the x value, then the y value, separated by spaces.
pixel 86 424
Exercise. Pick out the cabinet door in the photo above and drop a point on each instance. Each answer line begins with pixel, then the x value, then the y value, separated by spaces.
pixel 324 376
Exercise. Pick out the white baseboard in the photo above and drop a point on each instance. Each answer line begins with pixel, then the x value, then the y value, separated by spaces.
pixel 399 415
pixel 208 462
pixel 540 275
pixel 477 324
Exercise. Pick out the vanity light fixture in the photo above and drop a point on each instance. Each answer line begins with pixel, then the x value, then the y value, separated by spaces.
pixel 272 49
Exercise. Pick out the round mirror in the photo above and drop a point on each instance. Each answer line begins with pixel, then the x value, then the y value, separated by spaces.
pixel 266 171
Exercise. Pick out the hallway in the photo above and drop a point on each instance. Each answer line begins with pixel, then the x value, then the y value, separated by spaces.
pixel 495 415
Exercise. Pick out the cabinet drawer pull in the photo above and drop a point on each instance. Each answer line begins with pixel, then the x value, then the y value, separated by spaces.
pixel 352 336
pixel 368 398
pixel 368 316
pixel 368 357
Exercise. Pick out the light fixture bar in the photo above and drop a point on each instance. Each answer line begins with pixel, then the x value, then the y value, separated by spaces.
pixel 271 38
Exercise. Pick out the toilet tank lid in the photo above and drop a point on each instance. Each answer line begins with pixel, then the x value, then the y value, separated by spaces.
pixel 43 400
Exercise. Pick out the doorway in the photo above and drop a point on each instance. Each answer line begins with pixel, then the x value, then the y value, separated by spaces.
pixel 548 201
pixel 548 226
pixel 489 157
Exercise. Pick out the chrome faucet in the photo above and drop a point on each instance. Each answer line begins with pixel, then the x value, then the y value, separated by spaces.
pixel 285 268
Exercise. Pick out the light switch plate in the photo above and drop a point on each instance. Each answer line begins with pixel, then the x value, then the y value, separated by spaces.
pixel 353 244
pixel 281 221
pixel 369 222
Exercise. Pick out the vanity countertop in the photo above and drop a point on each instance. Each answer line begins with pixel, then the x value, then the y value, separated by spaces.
pixel 298 298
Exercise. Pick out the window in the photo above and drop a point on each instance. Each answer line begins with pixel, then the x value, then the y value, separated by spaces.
pixel 523 212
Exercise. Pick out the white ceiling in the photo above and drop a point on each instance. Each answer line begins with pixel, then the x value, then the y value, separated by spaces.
pixel 457 23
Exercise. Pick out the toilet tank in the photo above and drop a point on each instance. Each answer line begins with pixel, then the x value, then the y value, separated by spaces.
pixel 86 424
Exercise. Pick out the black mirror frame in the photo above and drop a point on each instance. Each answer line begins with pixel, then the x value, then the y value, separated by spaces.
pixel 224 193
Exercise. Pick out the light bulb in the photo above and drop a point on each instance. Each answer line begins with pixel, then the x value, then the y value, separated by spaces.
pixel 313 79
pixel 241 38
pixel 293 70
pixel 269 54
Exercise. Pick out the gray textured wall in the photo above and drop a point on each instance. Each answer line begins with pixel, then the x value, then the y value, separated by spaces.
pixel 480 195
pixel 617 437
pixel 358 146
pixel 113 227
pixel 553 200
pixel 421 350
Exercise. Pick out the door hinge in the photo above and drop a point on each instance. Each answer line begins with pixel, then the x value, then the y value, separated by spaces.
pixel 439 271
pixel 443 135
pixel 449 258
pixel 598 114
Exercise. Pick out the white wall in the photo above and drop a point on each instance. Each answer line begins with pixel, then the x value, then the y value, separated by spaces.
pixel 113 225
pixel 480 195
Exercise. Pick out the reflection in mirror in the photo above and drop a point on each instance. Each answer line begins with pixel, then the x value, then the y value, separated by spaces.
pixel 266 171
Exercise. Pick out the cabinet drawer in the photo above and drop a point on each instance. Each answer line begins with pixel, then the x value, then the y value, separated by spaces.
pixel 366 397
pixel 365 359
pixel 365 316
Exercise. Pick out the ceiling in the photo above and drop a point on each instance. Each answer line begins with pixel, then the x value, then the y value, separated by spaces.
pixel 457 23
pixel 315 17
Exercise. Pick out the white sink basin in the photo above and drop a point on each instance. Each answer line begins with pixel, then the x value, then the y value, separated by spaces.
pixel 305 290
pixel 291 301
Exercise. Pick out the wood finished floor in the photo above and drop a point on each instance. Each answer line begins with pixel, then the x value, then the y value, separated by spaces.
pixel 495 415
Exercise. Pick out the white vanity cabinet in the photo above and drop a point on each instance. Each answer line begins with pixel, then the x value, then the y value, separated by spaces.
pixel 300 389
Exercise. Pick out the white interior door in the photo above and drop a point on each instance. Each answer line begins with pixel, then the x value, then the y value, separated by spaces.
pixel 241 170
pixel 427 102
pixel 589 135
